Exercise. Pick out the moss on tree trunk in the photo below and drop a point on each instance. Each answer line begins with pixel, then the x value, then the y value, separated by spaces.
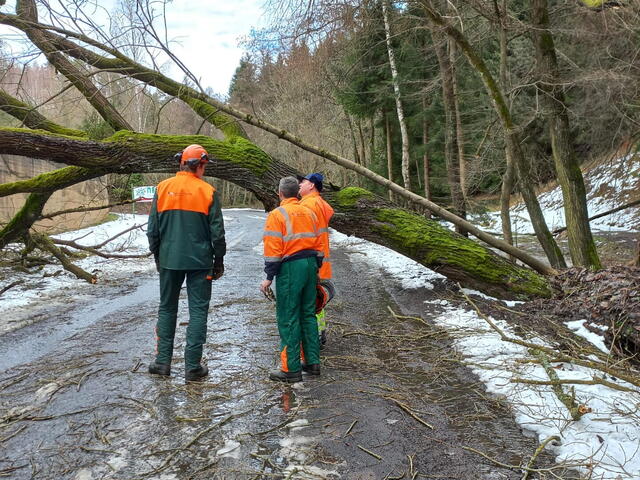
pixel 361 213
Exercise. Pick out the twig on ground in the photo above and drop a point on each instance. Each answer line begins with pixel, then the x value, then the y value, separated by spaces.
pixel 540 448
pixel 350 428
pixel 375 455
pixel 576 410
pixel 11 285
pixel 595 381
pixel 409 411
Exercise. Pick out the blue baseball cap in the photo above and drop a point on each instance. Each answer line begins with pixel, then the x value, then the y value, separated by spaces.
pixel 315 178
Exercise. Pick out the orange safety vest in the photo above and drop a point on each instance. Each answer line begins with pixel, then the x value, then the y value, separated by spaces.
pixel 185 192
pixel 289 229
pixel 323 212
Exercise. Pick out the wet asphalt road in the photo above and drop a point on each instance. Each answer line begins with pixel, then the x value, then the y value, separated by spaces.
pixel 393 400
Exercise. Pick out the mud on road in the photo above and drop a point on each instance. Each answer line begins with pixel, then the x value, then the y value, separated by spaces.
pixel 393 400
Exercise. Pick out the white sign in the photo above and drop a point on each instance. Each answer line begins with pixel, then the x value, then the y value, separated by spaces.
pixel 143 194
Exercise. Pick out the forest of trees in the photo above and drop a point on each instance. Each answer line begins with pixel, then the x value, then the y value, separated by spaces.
pixel 432 104
pixel 570 94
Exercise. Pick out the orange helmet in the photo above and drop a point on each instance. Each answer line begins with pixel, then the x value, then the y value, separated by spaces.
pixel 194 155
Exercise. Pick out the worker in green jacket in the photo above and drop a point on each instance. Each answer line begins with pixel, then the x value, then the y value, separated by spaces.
pixel 186 237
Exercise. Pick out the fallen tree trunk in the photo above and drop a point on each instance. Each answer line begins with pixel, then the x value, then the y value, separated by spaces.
pixel 360 213
pixel 222 116
pixel 239 161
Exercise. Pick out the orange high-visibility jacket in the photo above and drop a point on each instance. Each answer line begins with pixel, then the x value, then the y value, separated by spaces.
pixel 186 228
pixel 290 232
pixel 323 212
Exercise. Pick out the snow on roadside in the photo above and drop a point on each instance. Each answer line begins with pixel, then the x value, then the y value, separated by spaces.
pixel 608 185
pixel 50 285
pixel 604 443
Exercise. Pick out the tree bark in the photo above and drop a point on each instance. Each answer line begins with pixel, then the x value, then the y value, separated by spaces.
pixel 354 143
pixel 387 130
pixel 359 211
pixel 451 151
pixel 396 89
pixel 581 244
pixel 456 111
pixel 425 154
pixel 512 136
pixel 509 173
pixel 363 154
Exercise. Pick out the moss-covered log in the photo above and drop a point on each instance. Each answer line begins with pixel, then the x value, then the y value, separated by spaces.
pixel 24 218
pixel 360 213
pixel 236 160
pixel 241 162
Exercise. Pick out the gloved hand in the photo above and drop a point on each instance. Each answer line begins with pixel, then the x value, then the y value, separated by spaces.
pixel 218 269
pixel 156 257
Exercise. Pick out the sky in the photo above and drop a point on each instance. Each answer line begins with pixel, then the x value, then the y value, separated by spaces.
pixel 205 36
pixel 208 35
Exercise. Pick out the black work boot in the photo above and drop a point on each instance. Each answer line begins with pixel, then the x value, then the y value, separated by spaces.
pixel 287 377
pixel 196 374
pixel 159 368
pixel 312 369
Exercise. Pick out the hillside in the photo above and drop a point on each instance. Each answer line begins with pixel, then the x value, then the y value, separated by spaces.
pixel 609 184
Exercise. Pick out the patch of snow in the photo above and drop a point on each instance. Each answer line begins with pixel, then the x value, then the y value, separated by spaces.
pixel 579 328
pixel 300 423
pixel 83 474
pixel 608 185
pixel 411 274
pixel 296 449
pixel 230 449
pixel 470 291
pixel 308 472
pixel 508 303
pixel 512 303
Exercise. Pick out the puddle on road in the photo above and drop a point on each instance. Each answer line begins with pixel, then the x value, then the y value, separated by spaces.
pixel 100 415
pixel 38 340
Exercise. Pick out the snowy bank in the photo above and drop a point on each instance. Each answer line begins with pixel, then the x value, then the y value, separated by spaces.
pixel 53 285
pixel 609 185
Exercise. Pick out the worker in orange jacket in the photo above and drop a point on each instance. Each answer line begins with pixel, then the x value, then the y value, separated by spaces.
pixel 186 236
pixel 293 253
pixel 310 188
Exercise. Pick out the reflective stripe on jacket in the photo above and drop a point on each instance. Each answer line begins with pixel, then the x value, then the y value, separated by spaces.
pixel 323 212
pixel 186 229
pixel 291 231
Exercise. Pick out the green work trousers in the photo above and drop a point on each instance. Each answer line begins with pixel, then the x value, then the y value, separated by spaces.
pixel 199 295
pixel 295 311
